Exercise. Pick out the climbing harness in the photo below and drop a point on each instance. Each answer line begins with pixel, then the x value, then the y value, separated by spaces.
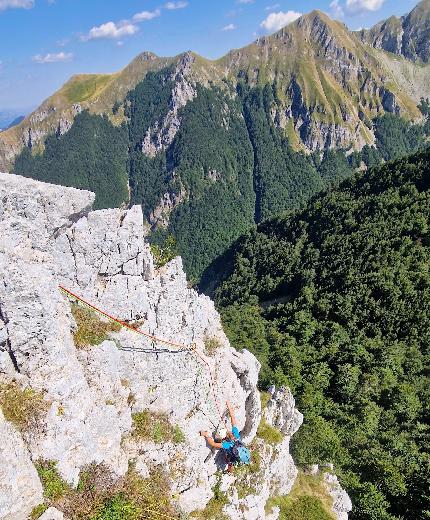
pixel 192 349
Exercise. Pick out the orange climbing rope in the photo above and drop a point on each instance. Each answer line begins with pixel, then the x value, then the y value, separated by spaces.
pixel 192 349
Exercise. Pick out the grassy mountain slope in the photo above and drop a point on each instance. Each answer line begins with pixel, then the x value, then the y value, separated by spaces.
pixel 328 84
pixel 335 300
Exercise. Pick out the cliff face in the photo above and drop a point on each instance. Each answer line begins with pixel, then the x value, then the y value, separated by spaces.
pixel 50 237
pixel 407 36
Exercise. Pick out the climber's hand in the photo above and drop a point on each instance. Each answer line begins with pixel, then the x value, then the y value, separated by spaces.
pixel 204 434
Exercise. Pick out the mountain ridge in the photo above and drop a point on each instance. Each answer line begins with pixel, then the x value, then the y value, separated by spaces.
pixel 329 83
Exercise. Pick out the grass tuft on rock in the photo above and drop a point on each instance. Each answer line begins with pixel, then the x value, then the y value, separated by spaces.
pixel 23 407
pixel 156 427
pixel 211 346
pixel 91 330
pixel 54 487
pixel 269 433
pixel 308 500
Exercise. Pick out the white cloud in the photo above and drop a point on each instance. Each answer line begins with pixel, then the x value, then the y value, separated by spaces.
pixel 53 57
pixel 229 27
pixel 272 7
pixel 245 1
pixel 16 4
pixel 276 21
pixel 111 30
pixel 175 5
pixel 359 6
pixel 146 15
pixel 337 9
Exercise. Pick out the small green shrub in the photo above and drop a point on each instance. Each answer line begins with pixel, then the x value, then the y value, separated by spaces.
pixel 91 329
pixel 54 486
pixel 165 253
pixel 101 495
pixel 156 427
pixel 211 346
pixel 269 433
pixel 38 511
pixel 23 407
pixel 178 435
pixel 118 508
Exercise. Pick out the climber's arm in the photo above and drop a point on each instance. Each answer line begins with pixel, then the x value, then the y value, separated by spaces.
pixel 231 412
pixel 210 441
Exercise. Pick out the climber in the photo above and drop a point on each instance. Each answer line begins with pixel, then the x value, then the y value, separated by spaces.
pixel 229 441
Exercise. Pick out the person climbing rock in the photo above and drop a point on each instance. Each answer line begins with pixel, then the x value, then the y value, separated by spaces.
pixel 229 441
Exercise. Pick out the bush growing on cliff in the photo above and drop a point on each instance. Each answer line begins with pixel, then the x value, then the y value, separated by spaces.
pixel 91 330
pixel 24 407
pixel 156 427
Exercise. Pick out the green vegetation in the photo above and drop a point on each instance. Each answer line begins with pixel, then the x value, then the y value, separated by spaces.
pixel 165 253
pixel 340 292
pixel 228 168
pixel 54 486
pixel 308 500
pixel 213 509
pixel 91 156
pixel 91 329
pixel 100 495
pixel 156 427
pixel 269 433
pixel 23 407
pixel 83 87
pixel 38 511
pixel 211 346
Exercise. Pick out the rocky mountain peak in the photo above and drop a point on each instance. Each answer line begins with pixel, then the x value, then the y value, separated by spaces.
pixel 407 36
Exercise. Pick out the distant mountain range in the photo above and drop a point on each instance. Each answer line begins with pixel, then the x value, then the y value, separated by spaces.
pixel 329 81
pixel 10 118
pixel 407 36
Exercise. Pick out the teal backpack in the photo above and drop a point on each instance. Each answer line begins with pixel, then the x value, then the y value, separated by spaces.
pixel 239 453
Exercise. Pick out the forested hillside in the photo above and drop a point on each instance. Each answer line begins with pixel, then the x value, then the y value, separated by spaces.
pixel 335 301
pixel 91 156
pixel 227 168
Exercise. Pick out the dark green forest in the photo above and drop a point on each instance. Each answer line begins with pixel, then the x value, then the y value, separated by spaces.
pixel 92 155
pixel 335 301
pixel 227 169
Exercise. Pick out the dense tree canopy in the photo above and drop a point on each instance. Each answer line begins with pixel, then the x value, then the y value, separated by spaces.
pixel 92 155
pixel 335 301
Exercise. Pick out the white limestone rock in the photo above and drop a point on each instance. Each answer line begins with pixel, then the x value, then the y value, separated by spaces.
pixel 50 237
pixel 52 514
pixel 342 504
pixel 20 487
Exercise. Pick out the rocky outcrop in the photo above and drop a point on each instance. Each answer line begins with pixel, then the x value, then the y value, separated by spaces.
pixel 277 472
pixel 342 504
pixel 50 237
pixel 20 488
pixel 407 36
pixel 162 134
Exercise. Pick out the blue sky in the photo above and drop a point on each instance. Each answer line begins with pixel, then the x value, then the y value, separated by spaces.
pixel 44 42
